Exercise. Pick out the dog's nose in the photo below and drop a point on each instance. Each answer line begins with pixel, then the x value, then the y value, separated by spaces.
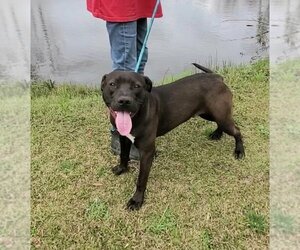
pixel 124 101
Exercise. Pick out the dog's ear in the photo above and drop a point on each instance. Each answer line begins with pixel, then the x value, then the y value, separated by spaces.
pixel 148 83
pixel 103 82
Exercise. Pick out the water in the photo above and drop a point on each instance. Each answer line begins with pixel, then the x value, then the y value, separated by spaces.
pixel 285 30
pixel 14 40
pixel 69 45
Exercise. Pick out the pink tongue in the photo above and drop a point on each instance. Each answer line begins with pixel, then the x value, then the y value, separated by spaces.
pixel 123 123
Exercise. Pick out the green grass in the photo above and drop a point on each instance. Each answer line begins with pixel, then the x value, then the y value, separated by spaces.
pixel 283 222
pixel 198 195
pixel 14 165
pixel 163 223
pixel 256 222
pixel 97 210
pixel 206 239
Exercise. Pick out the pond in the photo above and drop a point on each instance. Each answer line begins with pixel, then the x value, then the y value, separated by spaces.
pixel 69 45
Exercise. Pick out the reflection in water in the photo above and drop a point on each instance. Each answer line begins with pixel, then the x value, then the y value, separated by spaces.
pixel 41 43
pixel 285 30
pixel 292 28
pixel 263 24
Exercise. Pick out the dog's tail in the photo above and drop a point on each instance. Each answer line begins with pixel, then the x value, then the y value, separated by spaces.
pixel 206 70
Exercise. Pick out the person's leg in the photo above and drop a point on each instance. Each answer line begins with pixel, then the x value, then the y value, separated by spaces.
pixel 141 33
pixel 123 43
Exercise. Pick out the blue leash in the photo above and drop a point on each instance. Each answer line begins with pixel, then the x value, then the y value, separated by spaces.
pixel 146 37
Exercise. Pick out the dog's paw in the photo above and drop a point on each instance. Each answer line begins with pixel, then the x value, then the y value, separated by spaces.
pixel 216 135
pixel 117 170
pixel 133 204
pixel 239 154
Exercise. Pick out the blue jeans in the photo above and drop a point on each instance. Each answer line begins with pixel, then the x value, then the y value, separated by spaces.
pixel 126 41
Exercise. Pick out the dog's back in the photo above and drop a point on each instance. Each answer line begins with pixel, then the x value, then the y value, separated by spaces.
pixel 186 97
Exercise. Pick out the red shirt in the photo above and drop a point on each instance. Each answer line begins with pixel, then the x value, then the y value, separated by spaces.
pixel 122 10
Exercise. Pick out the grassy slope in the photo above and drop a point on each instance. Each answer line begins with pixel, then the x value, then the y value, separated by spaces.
pixel 198 196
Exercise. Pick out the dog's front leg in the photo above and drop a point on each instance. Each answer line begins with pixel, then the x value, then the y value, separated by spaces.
pixel 124 156
pixel 147 155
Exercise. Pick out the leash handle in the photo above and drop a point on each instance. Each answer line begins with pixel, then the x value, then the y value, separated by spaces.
pixel 146 37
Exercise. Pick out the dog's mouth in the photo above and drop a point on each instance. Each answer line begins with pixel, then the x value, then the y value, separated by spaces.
pixel 123 121
pixel 114 113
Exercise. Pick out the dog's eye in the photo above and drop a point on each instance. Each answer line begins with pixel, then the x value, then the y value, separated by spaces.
pixel 112 84
pixel 136 86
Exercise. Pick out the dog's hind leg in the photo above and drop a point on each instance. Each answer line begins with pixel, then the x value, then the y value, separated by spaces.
pixel 231 129
pixel 217 134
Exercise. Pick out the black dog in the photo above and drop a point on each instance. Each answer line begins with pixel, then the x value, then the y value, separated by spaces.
pixel 141 113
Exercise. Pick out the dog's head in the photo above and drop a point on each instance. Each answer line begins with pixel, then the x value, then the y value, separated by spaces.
pixel 123 93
